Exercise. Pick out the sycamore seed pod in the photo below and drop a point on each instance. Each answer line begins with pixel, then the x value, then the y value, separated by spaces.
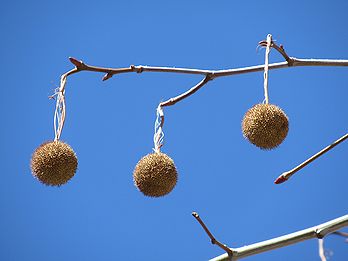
pixel 54 163
pixel 265 125
pixel 155 175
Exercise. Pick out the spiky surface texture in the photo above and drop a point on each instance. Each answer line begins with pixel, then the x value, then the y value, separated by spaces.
pixel 265 125
pixel 155 175
pixel 54 163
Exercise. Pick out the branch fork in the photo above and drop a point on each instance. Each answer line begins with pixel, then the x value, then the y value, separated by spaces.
pixel 319 231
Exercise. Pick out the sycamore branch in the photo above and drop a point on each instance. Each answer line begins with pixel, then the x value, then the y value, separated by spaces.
pixel 286 175
pixel 209 74
pixel 293 62
pixel 319 231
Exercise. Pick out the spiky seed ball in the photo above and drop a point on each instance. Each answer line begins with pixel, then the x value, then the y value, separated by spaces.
pixel 54 163
pixel 265 125
pixel 155 175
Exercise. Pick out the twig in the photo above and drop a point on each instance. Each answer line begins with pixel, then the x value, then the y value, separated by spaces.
pixel 191 91
pixel 342 234
pixel 210 235
pixel 214 73
pixel 321 249
pixel 286 175
pixel 280 49
pixel 319 231
pixel 209 75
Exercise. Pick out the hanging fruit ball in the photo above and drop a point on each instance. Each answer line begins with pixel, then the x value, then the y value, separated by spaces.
pixel 54 163
pixel 155 175
pixel 265 125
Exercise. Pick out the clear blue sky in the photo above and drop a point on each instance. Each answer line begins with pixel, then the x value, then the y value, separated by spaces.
pixel 99 214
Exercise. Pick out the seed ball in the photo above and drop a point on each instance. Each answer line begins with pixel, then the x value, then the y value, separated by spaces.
pixel 54 163
pixel 265 125
pixel 155 175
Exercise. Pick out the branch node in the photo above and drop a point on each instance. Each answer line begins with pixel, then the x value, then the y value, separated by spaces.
pixel 320 233
pixel 210 76
pixel 280 49
pixel 107 76
pixel 137 69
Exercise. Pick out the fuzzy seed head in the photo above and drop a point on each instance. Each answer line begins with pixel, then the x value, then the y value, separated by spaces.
pixel 155 175
pixel 265 125
pixel 54 163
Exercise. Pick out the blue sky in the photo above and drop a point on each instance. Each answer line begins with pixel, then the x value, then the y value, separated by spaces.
pixel 99 214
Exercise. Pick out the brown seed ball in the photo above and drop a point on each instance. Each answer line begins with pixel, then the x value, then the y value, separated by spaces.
pixel 265 125
pixel 155 175
pixel 54 163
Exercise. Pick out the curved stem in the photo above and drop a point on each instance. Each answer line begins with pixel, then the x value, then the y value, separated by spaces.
pixel 186 94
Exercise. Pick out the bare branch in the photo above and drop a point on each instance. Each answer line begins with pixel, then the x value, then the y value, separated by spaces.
pixel 186 94
pixel 319 231
pixel 214 73
pixel 342 234
pixel 209 74
pixel 210 235
pixel 286 175
pixel 339 233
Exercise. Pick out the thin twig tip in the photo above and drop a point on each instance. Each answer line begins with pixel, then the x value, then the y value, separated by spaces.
pixel 195 214
pixel 76 62
pixel 280 180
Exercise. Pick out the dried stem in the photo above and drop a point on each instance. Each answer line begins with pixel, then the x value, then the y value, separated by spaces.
pixel 286 175
pixel 319 231
pixel 191 91
pixel 265 74
pixel 210 235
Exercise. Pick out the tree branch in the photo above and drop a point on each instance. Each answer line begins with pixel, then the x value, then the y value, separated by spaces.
pixel 280 49
pixel 209 75
pixel 286 175
pixel 191 91
pixel 319 231
pixel 342 234
pixel 210 235
pixel 80 66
